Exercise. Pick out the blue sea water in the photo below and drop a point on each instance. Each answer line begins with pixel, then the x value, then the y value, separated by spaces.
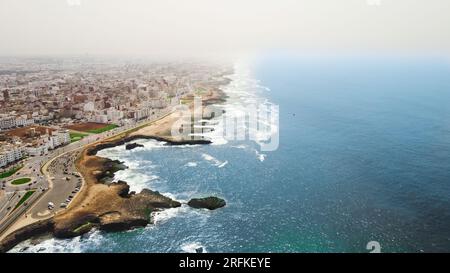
pixel 364 155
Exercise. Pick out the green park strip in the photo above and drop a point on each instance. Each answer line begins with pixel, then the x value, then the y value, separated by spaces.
pixel 10 172
pixel 74 136
pixel 103 129
pixel 27 195
pixel 84 227
pixel 21 181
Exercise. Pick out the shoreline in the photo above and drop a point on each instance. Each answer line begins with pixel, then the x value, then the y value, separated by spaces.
pixel 110 207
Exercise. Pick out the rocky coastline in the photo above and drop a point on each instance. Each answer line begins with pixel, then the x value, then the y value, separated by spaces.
pixel 108 206
pixel 135 212
pixel 123 210
pixel 93 151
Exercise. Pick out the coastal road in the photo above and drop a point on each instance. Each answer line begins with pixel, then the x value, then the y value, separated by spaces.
pixel 59 179
pixel 66 182
pixel 14 193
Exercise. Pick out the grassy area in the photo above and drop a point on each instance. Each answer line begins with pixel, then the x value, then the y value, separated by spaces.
pixel 186 101
pixel 85 227
pixel 103 129
pixel 27 195
pixel 21 181
pixel 10 172
pixel 74 136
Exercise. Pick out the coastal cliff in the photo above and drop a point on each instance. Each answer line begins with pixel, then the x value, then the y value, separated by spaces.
pixel 126 211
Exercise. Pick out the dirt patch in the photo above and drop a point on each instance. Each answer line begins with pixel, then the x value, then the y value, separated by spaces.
pixel 28 131
pixel 87 126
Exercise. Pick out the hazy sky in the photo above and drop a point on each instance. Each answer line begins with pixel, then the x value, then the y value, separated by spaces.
pixel 151 27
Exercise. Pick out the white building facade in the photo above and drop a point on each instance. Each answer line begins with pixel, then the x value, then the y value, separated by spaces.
pixel 10 154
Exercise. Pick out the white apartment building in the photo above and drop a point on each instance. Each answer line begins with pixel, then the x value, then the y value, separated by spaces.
pixel 114 115
pixel 63 137
pixel 10 153
pixel 23 122
pixel 12 122
pixel 142 113
pixel 38 149
pixel 46 143
pixel 58 138
pixel 7 123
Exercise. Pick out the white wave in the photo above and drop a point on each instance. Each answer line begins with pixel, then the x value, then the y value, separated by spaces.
pixel 215 161
pixel 164 215
pixel 243 147
pixel 219 141
pixel 135 179
pixel 193 247
pixel 223 164
pixel 242 92
pixel 53 245
pixel 191 164
pixel 152 143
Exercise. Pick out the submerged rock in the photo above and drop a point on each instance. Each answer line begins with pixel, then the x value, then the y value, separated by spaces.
pixel 210 203
pixel 132 146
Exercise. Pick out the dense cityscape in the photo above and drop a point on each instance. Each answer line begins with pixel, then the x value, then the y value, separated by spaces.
pixel 84 96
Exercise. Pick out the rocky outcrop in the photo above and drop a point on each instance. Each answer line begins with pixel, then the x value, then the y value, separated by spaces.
pixel 132 146
pixel 108 167
pixel 93 150
pixel 119 210
pixel 79 225
pixel 210 203
pixel 37 229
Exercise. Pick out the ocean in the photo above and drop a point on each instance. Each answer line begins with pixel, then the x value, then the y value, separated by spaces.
pixel 364 155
